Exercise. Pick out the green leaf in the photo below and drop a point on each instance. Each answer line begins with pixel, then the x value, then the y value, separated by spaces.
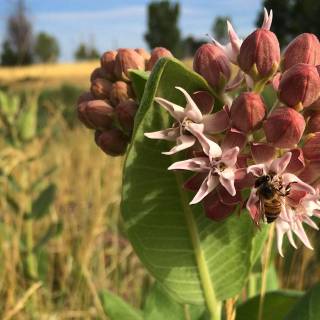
pixel 276 305
pixel 194 258
pixel 41 206
pixel 139 79
pixel 116 308
pixel 308 307
pixel 159 305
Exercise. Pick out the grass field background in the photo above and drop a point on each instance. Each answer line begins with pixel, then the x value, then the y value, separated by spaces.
pixel 91 251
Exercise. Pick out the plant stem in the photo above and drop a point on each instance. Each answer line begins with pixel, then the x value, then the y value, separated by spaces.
pixel 213 305
pixel 265 266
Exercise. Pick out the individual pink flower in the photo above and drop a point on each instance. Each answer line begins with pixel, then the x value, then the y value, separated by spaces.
pixel 296 200
pixel 218 170
pixel 292 218
pixel 190 125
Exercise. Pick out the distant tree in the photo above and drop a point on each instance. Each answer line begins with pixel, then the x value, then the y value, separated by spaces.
pixel 19 37
pixel 85 52
pixel 46 48
pixel 8 56
pixel 190 45
pixel 219 29
pixel 292 17
pixel 163 30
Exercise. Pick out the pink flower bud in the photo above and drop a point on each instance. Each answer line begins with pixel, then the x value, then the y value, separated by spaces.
pixel 284 127
pixel 156 54
pixel 143 53
pixel 311 148
pixel 120 91
pixel 127 59
pixel 305 48
pixel 113 141
pixel 204 101
pixel 107 62
pixel 86 96
pixel 101 88
pixel 260 54
pixel 313 124
pixel 247 111
pixel 299 86
pixel 98 73
pixel 126 112
pixel 213 64
pixel 96 114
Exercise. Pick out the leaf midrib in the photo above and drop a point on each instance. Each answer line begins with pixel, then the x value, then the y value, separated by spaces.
pixel 204 274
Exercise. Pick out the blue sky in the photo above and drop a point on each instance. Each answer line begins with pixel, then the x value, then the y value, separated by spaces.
pixel 109 24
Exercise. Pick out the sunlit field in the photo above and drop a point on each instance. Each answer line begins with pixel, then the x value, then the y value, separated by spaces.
pixel 53 267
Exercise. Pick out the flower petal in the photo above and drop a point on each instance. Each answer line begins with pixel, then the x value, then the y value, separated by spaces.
pixel 176 111
pixel 234 138
pixel 253 206
pixel 183 142
pixel 296 162
pixel 170 134
pixel 257 170
pixel 194 183
pixel 217 122
pixel 300 232
pixel 262 152
pixel 210 148
pixel 296 183
pixel 208 185
pixel 229 157
pixel 267 20
pixel 226 198
pixel 215 209
pixel 200 164
pixel 279 165
pixel 191 110
pixel 227 180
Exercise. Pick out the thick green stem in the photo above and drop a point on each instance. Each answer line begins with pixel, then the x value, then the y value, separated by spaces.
pixel 265 266
pixel 213 305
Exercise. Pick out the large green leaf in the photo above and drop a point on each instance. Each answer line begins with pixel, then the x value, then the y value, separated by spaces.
pixel 118 309
pixel 276 305
pixel 194 258
pixel 308 307
pixel 139 79
pixel 159 305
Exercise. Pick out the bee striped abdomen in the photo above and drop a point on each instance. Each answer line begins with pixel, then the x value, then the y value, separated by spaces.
pixel 272 209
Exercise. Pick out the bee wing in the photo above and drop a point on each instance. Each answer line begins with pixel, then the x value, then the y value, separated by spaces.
pixel 261 216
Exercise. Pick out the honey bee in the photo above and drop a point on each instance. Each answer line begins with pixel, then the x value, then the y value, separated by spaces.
pixel 271 192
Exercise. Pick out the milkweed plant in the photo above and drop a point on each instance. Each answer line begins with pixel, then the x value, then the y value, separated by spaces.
pixel 216 158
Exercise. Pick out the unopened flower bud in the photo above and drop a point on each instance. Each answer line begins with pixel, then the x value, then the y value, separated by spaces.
pixel 204 101
pixel 247 111
pixel 284 127
pixel 299 86
pixel 86 96
pixel 311 148
pixel 96 114
pixel 120 91
pixel 98 73
pixel 127 59
pixel 213 64
pixel 101 88
pixel 313 124
pixel 156 54
pixel 305 48
pixel 113 141
pixel 107 61
pixel 144 53
pixel 126 112
pixel 260 54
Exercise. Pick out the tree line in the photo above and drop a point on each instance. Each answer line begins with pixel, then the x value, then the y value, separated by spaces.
pixel 21 46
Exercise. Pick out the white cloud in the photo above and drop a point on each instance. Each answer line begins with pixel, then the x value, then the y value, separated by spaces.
pixel 114 13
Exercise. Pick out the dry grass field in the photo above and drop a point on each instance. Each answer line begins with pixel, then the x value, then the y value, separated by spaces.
pixel 92 252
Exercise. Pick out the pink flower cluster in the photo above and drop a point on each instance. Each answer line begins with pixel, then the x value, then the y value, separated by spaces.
pixel 272 152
